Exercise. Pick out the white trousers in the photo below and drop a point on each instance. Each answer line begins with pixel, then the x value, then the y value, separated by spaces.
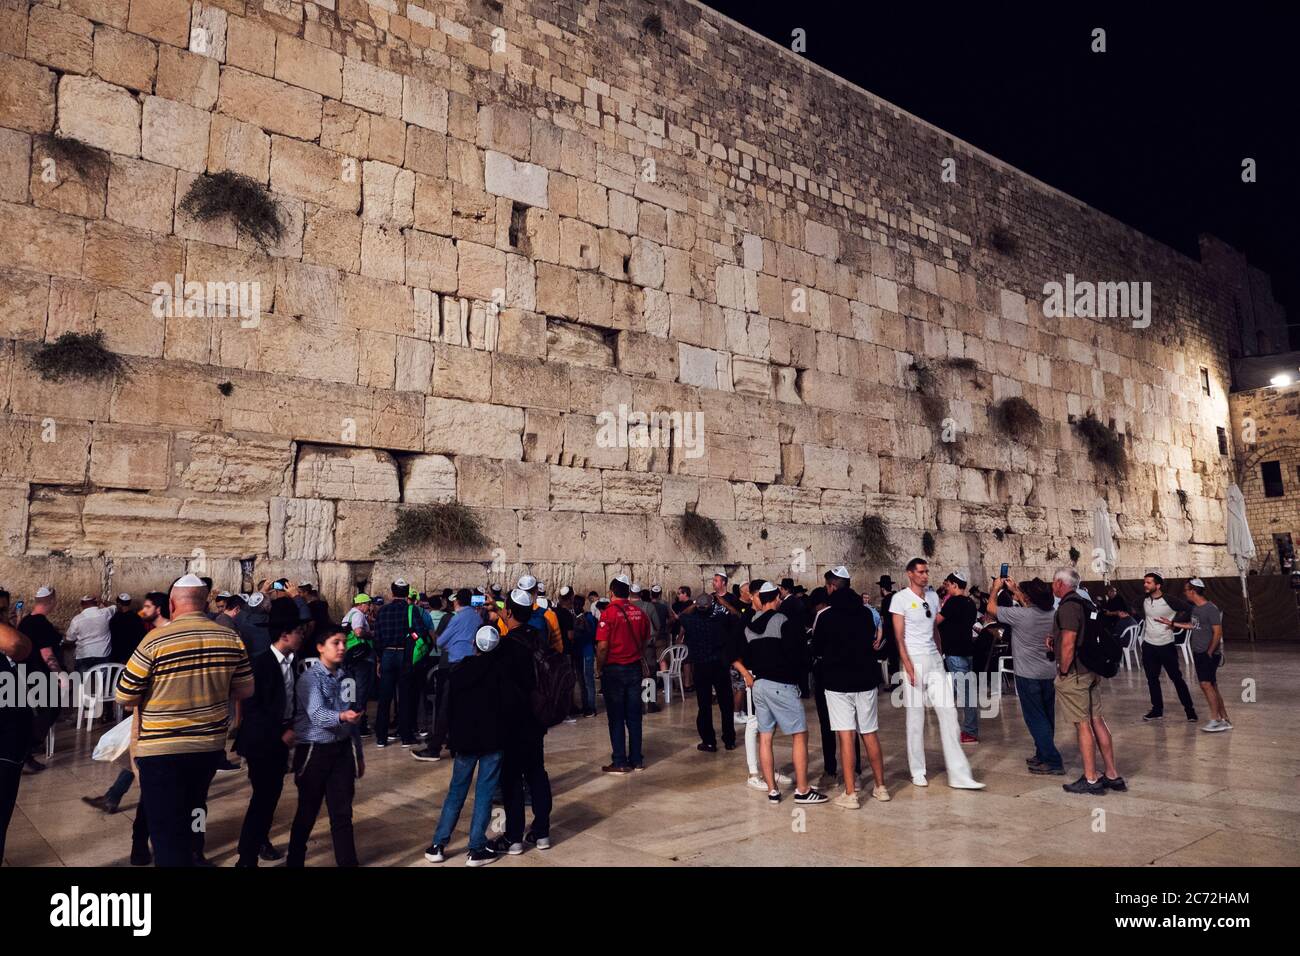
pixel 933 689
pixel 751 734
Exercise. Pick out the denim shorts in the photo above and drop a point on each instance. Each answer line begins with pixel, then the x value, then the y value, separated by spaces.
pixel 778 705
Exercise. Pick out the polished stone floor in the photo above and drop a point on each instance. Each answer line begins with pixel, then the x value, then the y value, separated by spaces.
pixel 1194 798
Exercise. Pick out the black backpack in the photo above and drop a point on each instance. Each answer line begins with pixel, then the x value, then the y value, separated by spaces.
pixel 552 695
pixel 1096 647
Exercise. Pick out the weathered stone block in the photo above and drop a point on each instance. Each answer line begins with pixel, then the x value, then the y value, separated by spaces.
pixel 99 114
pixel 497 430
pixel 359 474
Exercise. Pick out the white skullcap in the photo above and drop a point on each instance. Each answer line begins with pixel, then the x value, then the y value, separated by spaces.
pixel 256 598
pixel 624 578
pixel 769 587
pixel 189 581
pixel 527 583
pixel 126 597
pixel 44 591
pixel 840 571
pixel 543 603
pixel 486 638
pixel 521 597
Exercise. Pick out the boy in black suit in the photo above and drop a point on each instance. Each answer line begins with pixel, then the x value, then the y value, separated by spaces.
pixel 265 736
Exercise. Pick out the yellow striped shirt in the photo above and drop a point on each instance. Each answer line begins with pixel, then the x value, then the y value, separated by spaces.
pixel 182 677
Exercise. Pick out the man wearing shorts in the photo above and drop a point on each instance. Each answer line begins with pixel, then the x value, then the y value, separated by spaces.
pixel 1206 627
pixel 770 660
pixel 1078 690
pixel 844 638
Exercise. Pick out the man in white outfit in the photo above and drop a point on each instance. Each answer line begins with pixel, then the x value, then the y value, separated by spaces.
pixel 915 613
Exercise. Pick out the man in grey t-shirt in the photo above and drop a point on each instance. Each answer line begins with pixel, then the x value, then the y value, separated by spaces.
pixel 1031 624
pixel 1206 637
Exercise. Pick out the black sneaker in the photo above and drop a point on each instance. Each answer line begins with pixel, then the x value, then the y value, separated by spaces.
pixel 434 853
pixel 269 853
pixel 730 746
pixel 481 857
pixel 1043 769
pixel 426 753
pixel 381 744
pixel 227 765
pixel 407 744
pixel 638 767
pixel 774 796
pixel 140 856
pixel 1154 715
pixel 1114 783
pixel 32 765
pixel 366 732
pixel 589 713
pixel 1083 786
pixel 102 803
pixel 812 796
pixel 707 748
pixel 1191 717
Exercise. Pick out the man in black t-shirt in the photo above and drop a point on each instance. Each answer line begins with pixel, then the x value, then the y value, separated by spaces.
pixel 44 660
pixel 956 632
pixel 125 629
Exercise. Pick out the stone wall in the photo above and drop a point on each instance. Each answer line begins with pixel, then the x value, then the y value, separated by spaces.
pixel 503 222
pixel 1268 422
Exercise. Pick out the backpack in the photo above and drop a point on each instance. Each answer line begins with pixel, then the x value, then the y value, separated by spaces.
pixel 1096 647
pixel 551 698
pixel 537 621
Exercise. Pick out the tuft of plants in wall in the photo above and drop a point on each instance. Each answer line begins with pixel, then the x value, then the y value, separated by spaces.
pixel 702 533
pixel 927 387
pixel 962 364
pixel 1017 419
pixel 1003 241
pixel 1074 554
pixel 653 24
pixel 87 161
pixel 442 524
pixel 927 544
pixel 872 536
pixel 225 388
pixel 77 355
pixel 244 200
pixel 1105 446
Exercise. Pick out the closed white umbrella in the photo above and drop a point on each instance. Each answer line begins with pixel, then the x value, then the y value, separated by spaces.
pixel 1104 554
pixel 1241 545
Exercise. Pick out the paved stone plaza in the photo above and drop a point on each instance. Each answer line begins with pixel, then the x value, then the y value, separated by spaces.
pixel 1194 798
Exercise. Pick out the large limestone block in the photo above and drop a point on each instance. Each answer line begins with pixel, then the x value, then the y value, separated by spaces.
pixel 492 431
pixel 355 474
pixel 71 578
pixel 59 39
pixel 54 523
pixel 461 373
pixel 788 503
pixel 234 466
pixel 549 536
pixel 130 259
pixel 127 524
pixel 44 450
pixel 142 195
pixel 525 182
pixel 630 493
pixel 40 240
pixel 136 458
pixel 316 175
pixel 424 104
pixel 167 21
pixel 301 529
pixel 175 134
pixel 620 538
pixel 530 382
pixel 372 88
pixel 428 478
pixel 388 194
pixel 26 95
pixel 13 517
pixel 99 114
pixel 274 106
pixel 575 489
pixel 312 67
pixel 742 459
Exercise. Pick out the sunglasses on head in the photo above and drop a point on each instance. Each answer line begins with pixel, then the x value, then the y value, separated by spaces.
pixel 927 608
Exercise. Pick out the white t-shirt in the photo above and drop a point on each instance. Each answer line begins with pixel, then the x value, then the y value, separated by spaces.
pixel 1157 634
pixel 918 627
pixel 89 631
pixel 356 619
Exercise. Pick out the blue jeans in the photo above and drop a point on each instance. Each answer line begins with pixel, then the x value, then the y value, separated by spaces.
pixel 965 696
pixel 1038 707
pixel 621 684
pixel 589 680
pixel 489 769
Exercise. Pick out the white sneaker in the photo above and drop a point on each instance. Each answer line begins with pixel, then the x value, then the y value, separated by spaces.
pixel 968 785
pixel 881 793
pixel 847 801
pixel 783 781
pixel 1213 727
pixel 920 781
pixel 1225 725
pixel 741 718
pixel 756 783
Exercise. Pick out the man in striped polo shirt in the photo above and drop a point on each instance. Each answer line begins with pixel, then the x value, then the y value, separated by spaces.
pixel 181 680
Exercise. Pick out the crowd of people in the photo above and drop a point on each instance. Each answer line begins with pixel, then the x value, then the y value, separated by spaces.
pixel 488 672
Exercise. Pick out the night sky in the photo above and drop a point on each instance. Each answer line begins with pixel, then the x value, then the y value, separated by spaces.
pixel 1152 132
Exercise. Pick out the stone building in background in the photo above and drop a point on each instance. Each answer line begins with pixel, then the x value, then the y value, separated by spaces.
pixel 504 226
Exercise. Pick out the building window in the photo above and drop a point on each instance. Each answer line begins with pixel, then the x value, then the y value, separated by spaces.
pixel 1271 474
pixel 1223 440
pixel 1205 380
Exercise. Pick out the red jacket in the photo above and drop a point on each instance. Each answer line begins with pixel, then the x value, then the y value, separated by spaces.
pixel 625 628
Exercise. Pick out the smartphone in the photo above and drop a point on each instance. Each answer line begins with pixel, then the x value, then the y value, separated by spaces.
pixel 478 600
pixel 1006 568
pixel 19 607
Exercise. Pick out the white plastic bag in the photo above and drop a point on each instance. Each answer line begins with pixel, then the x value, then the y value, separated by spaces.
pixel 114 742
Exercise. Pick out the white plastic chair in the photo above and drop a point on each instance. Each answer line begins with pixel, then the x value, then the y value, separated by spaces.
pixel 674 654
pixel 1006 677
pixel 98 687
pixel 1128 642
pixel 1186 648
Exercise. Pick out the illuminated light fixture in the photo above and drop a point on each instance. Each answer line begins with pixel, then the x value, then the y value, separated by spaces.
pixel 1280 381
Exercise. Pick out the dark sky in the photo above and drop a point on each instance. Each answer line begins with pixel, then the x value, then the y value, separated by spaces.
pixel 1152 132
